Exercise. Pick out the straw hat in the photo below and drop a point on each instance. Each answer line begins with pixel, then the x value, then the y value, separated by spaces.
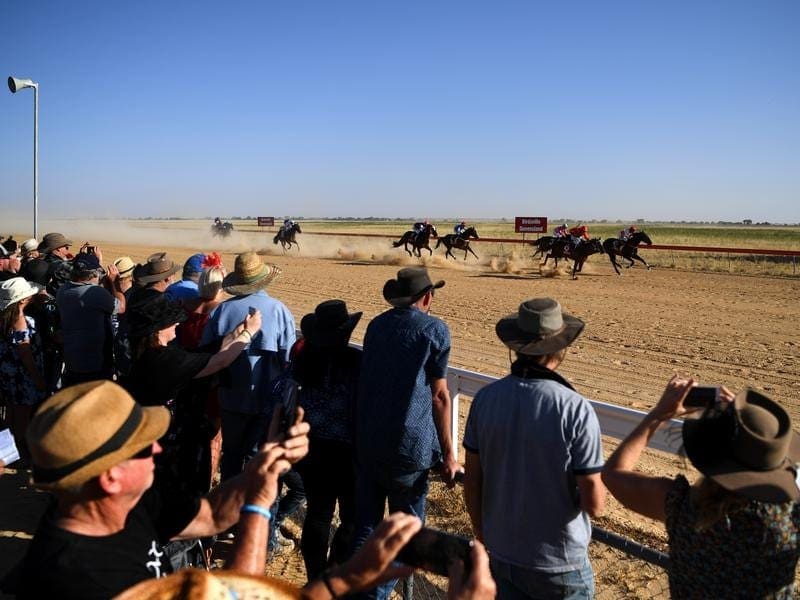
pixel 539 327
pixel 194 584
pixel 125 266
pixel 330 324
pixel 158 267
pixel 412 283
pixel 15 289
pixel 250 274
pixel 83 430
pixel 52 241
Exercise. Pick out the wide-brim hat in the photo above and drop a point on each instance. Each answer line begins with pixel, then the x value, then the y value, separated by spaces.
pixel 158 267
pixel 196 584
pixel 51 241
pixel 29 246
pixel 330 324
pixel 250 274
pixel 539 327
pixel 749 448
pixel 125 266
pixel 86 429
pixel 15 289
pixel 412 283
pixel 152 312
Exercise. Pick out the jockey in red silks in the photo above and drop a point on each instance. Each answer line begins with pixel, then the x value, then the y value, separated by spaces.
pixel 578 234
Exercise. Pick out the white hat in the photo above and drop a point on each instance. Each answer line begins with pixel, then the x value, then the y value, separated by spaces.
pixel 29 245
pixel 15 289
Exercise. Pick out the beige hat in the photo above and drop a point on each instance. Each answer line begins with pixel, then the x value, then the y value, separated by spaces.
pixel 538 327
pixel 125 266
pixel 250 274
pixel 15 289
pixel 194 584
pixel 29 246
pixel 83 430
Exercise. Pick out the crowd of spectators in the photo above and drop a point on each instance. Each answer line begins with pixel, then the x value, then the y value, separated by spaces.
pixel 128 392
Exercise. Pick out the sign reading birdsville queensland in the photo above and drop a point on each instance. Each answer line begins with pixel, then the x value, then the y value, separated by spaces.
pixel 266 221
pixel 530 224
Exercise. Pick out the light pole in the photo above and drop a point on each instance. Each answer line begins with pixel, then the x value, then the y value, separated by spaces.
pixel 15 85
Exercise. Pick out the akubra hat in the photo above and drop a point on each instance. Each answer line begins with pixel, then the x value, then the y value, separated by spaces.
pixel 250 274
pixel 29 246
pixel 748 448
pixel 158 267
pixel 412 283
pixel 330 324
pixel 86 429
pixel 153 312
pixel 15 289
pixel 52 241
pixel 539 327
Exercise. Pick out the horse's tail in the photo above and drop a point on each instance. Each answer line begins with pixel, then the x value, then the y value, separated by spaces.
pixel 397 244
pixel 276 238
pixel 438 241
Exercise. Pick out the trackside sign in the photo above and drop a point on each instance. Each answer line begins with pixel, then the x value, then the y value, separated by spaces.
pixel 530 224
pixel 266 221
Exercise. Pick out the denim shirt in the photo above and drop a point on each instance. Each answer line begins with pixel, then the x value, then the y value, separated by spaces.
pixel 405 350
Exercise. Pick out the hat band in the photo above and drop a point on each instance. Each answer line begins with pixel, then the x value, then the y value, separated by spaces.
pixel 256 277
pixel 114 443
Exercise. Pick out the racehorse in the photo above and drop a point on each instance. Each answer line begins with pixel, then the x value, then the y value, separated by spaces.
pixel 628 250
pixel 578 255
pixel 287 237
pixel 222 229
pixel 546 242
pixel 459 241
pixel 418 241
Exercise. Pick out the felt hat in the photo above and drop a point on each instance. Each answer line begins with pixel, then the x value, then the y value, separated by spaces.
pixel 152 311
pixel 539 327
pixel 85 429
pixel 330 324
pixel 52 241
pixel 125 266
pixel 15 289
pixel 412 283
pixel 250 274
pixel 748 448
pixel 158 266
pixel 196 584
pixel 29 246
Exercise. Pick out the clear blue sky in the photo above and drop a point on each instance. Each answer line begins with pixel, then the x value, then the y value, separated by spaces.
pixel 655 110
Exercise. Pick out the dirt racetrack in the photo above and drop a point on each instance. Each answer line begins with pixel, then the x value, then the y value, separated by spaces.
pixel 640 328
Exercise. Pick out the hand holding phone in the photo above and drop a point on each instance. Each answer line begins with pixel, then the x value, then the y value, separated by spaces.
pixel 702 396
pixel 289 402
pixel 436 551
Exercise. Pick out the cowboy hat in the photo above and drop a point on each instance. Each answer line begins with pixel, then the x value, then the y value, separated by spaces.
pixel 196 584
pixel 152 312
pixel 125 266
pixel 330 324
pixel 15 289
pixel 86 429
pixel 412 283
pixel 749 448
pixel 539 327
pixel 52 241
pixel 250 274
pixel 29 246
pixel 158 267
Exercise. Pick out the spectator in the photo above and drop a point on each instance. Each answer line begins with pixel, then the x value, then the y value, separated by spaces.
pixel 10 265
pixel 155 274
pixel 328 370
pixel 186 289
pixel 534 455
pixel 198 310
pixel 164 374
pixel 244 386
pixel 85 308
pixel 54 251
pixel 9 246
pixel 22 384
pixel 29 250
pixel 403 409
pixel 734 532
pixel 119 322
pixel 103 533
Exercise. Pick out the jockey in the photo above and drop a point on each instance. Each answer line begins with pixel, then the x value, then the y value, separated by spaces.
pixel 287 224
pixel 460 228
pixel 627 233
pixel 217 221
pixel 561 231
pixel 578 234
pixel 419 227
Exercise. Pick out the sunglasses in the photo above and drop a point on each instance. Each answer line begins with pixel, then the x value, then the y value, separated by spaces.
pixel 146 452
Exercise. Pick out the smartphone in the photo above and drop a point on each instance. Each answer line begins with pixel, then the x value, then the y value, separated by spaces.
pixel 289 401
pixel 434 551
pixel 251 311
pixel 91 249
pixel 702 396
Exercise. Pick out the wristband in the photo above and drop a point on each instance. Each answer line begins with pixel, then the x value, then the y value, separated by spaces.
pixel 326 579
pixel 255 508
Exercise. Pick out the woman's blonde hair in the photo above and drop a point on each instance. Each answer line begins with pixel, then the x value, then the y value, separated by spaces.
pixel 210 282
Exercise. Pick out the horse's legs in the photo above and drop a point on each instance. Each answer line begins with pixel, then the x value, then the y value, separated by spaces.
pixel 428 248
pixel 641 260
pixel 471 251
pixel 407 250
pixel 449 252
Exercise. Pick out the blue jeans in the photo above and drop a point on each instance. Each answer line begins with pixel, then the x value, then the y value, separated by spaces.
pixel 241 435
pixel 518 583
pixel 404 493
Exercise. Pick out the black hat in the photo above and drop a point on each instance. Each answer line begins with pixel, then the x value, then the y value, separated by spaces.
pixel 539 327
pixel 153 312
pixel 330 324
pixel 412 283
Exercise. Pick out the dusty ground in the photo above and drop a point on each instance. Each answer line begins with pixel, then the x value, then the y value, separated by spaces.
pixel 640 328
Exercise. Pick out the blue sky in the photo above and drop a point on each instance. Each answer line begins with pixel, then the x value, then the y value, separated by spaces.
pixel 621 110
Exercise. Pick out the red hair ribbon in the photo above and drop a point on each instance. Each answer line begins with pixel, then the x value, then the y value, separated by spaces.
pixel 212 260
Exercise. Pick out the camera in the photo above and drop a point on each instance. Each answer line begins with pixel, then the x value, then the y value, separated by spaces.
pixel 289 402
pixel 434 551
pixel 702 396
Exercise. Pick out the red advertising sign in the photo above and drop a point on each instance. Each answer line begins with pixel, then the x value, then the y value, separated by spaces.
pixel 266 221
pixel 530 224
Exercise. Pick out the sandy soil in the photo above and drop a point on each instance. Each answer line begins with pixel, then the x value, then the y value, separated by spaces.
pixel 640 328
